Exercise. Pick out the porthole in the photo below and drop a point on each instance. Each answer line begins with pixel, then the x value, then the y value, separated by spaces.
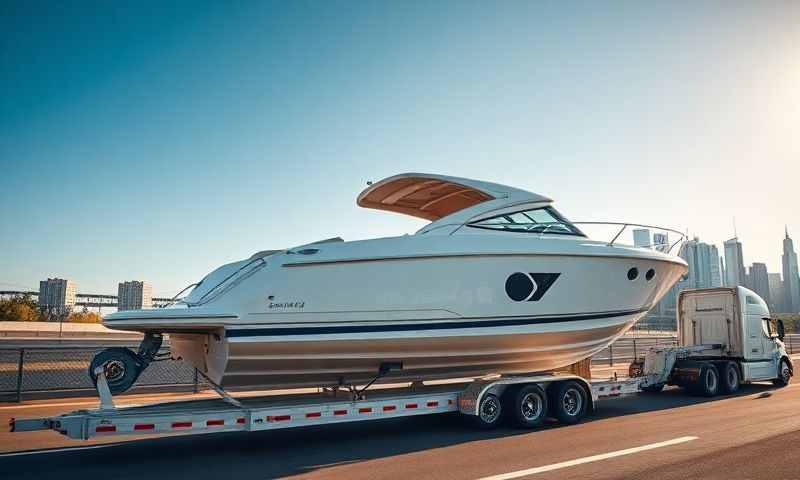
pixel 633 274
pixel 651 274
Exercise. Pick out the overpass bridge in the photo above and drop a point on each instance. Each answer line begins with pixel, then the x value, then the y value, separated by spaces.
pixel 88 300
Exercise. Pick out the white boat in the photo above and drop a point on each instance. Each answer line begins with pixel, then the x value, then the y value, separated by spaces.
pixel 498 282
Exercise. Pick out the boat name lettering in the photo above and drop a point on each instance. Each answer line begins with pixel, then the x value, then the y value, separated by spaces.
pixel 286 305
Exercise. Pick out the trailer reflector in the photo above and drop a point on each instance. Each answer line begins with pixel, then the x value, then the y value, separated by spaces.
pixel 411 405
pixel 105 428
pixel 340 412
pixel 215 423
pixel 278 418
pixel 240 420
pixel 181 424
pixel 313 414
pixel 144 426
pixel 365 410
pixel 433 404
pixel 389 408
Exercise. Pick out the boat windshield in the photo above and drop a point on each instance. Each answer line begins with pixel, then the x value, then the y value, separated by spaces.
pixel 538 220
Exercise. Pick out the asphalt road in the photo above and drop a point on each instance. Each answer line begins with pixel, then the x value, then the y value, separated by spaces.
pixel 667 435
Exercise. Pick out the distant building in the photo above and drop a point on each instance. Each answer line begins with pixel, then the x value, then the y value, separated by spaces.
pixel 57 295
pixel 759 281
pixel 661 242
pixel 134 295
pixel 703 260
pixel 641 238
pixel 776 293
pixel 791 279
pixel 734 264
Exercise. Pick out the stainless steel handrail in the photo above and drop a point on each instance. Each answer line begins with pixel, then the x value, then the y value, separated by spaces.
pixel 683 236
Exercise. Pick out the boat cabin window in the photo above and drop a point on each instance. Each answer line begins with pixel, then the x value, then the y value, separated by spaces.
pixel 539 220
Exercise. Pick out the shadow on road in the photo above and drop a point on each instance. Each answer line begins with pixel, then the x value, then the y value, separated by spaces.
pixel 302 450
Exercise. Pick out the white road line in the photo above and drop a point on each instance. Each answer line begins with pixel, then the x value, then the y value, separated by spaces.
pixel 593 458
pixel 55 450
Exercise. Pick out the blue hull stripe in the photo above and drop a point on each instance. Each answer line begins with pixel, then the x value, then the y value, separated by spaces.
pixel 408 327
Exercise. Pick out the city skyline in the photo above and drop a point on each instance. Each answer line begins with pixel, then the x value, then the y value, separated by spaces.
pixel 160 142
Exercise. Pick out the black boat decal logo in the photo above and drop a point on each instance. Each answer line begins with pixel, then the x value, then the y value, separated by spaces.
pixel 529 287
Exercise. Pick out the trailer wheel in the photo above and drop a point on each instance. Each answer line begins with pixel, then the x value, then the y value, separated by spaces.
pixel 569 402
pixel 784 375
pixel 490 412
pixel 121 368
pixel 528 404
pixel 707 383
pixel 730 378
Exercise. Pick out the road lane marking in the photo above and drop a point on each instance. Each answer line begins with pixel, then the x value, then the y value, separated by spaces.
pixel 593 458
pixel 55 450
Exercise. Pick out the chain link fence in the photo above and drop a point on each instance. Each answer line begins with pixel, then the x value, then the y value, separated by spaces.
pixel 39 369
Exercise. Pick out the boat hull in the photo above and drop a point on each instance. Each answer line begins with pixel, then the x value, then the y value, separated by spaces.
pixel 244 358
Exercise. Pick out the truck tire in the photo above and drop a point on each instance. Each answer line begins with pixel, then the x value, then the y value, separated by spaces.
pixel 784 374
pixel 707 384
pixel 490 412
pixel 730 378
pixel 569 402
pixel 527 406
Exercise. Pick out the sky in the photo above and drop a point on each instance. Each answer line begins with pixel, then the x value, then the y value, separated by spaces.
pixel 156 142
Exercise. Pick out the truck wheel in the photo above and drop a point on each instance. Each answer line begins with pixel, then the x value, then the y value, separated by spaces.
pixel 730 378
pixel 707 383
pixel 569 402
pixel 121 368
pixel 529 406
pixel 784 375
pixel 489 412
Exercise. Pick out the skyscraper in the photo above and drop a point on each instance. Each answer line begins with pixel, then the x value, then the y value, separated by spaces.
pixel 703 260
pixel 776 293
pixel 641 238
pixel 759 281
pixel 734 263
pixel 791 280
pixel 661 242
pixel 134 295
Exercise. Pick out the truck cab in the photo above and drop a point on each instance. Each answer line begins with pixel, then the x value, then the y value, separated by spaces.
pixel 734 324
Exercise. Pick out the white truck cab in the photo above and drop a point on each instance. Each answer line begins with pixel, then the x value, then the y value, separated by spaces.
pixel 735 326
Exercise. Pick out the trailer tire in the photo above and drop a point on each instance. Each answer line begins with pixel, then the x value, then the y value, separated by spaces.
pixel 121 366
pixel 569 402
pixel 657 388
pixel 707 384
pixel 527 406
pixel 490 412
pixel 784 375
pixel 730 378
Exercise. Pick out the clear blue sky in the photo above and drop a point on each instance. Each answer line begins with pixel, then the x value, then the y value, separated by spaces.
pixel 148 142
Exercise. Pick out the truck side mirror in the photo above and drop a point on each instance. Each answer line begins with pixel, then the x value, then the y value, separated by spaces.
pixel 781 331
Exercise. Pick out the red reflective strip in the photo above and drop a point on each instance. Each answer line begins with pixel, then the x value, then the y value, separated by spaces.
pixel 340 412
pixel 106 428
pixel 240 420
pixel 279 418
pixel 411 405
pixel 313 414
pixel 365 410
pixel 433 404
pixel 389 408
pixel 212 423
pixel 181 424
pixel 449 402
pixel 144 426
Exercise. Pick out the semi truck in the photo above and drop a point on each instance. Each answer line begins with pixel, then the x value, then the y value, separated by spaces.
pixel 726 338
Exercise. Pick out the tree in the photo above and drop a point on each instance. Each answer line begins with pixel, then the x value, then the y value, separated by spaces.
pixel 19 309
pixel 84 317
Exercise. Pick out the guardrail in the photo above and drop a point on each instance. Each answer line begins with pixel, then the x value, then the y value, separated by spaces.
pixel 38 369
